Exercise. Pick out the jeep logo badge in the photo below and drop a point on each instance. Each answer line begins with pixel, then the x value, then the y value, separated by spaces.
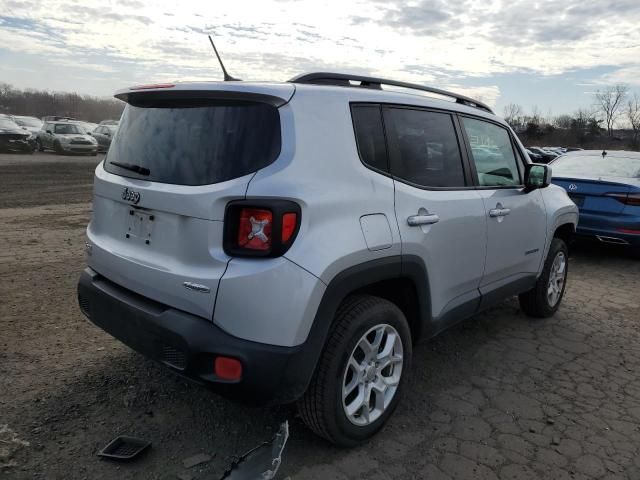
pixel 130 196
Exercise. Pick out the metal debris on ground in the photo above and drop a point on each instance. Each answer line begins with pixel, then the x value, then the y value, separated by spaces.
pixel 261 462
pixel 124 448
pixel 196 460
pixel 9 445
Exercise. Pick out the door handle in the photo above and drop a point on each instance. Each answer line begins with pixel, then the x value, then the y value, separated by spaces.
pixel 428 219
pixel 499 212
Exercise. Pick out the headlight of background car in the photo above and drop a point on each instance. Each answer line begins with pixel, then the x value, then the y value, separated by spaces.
pixel 91 139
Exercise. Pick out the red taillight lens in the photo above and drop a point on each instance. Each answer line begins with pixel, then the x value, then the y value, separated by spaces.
pixel 227 368
pixel 254 229
pixel 289 224
pixel 260 227
pixel 632 199
pixel 632 231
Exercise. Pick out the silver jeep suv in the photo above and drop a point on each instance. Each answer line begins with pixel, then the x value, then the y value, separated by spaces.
pixel 282 242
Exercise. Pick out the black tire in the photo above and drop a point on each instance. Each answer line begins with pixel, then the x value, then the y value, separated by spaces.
pixel 58 148
pixel 39 145
pixel 535 302
pixel 321 406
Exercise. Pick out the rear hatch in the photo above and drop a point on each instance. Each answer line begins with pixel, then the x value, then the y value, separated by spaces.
pixel 179 156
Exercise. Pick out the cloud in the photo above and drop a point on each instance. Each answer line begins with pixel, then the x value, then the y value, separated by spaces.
pixel 465 44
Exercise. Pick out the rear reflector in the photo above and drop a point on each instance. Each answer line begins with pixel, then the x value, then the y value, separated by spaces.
pixel 151 87
pixel 289 224
pixel 228 368
pixel 628 230
pixel 254 229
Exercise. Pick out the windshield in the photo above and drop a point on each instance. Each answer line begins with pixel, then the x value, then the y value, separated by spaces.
pixel 596 166
pixel 195 142
pixel 29 122
pixel 67 129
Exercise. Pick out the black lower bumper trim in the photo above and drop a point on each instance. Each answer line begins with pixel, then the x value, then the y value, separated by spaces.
pixel 188 344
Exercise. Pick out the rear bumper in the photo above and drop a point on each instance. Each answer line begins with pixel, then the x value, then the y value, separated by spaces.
pixel 188 344
pixel 79 148
pixel 610 228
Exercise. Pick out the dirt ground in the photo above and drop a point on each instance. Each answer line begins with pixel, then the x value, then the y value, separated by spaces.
pixel 499 396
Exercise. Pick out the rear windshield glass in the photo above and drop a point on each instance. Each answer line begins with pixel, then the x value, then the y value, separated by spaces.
pixel 195 142
pixel 596 166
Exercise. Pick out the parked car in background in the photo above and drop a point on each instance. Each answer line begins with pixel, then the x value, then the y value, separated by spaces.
pixel 546 155
pixel 30 124
pixel 14 138
pixel 87 126
pixel 573 149
pixel 66 137
pixel 56 118
pixel 606 188
pixel 535 157
pixel 104 134
pixel 109 122
pixel 556 150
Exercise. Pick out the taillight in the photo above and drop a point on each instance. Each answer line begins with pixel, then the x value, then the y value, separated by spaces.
pixel 632 199
pixel 261 227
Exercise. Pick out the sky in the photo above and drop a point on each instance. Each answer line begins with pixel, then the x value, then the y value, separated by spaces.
pixel 550 54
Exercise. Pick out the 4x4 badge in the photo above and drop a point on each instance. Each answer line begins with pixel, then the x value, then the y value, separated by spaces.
pixel 196 286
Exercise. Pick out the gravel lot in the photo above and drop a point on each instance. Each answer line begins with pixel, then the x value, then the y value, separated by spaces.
pixel 499 396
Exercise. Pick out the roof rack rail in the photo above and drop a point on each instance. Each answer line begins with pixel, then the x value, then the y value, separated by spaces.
pixel 344 80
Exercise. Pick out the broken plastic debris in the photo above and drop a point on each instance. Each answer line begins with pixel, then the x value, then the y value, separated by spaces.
pixel 196 460
pixel 262 462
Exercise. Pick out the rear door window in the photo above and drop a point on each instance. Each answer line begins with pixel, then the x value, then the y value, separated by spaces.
pixel 424 148
pixel 492 154
pixel 195 142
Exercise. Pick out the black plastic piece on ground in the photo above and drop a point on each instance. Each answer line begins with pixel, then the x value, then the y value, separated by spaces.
pixel 124 448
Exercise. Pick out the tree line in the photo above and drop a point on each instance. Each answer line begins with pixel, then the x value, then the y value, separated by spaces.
pixel 592 127
pixel 40 103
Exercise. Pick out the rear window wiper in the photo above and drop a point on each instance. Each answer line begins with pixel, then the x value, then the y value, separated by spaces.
pixel 134 168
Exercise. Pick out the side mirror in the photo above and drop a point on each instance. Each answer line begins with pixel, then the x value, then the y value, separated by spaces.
pixel 537 175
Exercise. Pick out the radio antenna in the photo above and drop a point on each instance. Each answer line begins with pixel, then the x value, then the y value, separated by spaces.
pixel 227 77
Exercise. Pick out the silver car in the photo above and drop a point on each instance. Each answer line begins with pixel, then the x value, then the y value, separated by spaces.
pixel 65 137
pixel 282 242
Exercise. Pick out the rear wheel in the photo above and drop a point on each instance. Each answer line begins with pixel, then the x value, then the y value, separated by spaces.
pixel 362 372
pixel 544 299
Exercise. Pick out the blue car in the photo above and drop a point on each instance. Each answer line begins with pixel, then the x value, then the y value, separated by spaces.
pixel 605 185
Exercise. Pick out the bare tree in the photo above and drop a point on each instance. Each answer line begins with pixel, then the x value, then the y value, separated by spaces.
pixel 563 121
pixel 512 113
pixel 633 116
pixel 608 102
